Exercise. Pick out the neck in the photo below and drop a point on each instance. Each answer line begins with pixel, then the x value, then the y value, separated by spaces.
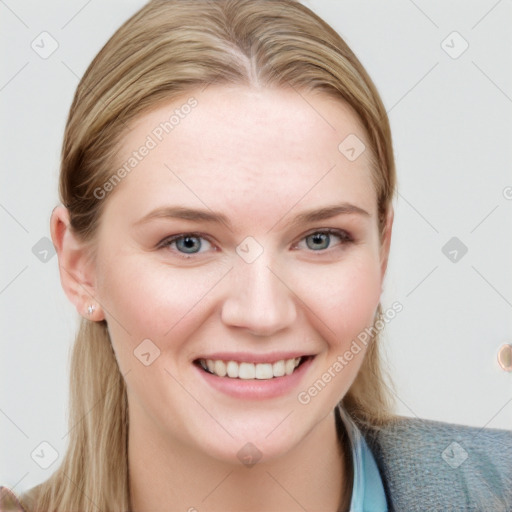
pixel 168 476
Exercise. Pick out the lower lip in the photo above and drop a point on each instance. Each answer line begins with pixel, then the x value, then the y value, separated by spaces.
pixel 255 389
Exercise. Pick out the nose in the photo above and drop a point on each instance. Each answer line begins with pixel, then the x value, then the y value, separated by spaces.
pixel 259 299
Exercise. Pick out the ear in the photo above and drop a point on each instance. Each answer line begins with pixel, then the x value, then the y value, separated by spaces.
pixel 75 266
pixel 386 243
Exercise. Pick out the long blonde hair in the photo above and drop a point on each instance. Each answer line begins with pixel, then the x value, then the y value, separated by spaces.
pixel 168 48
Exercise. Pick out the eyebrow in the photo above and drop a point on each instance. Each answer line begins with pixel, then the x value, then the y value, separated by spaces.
pixel 199 215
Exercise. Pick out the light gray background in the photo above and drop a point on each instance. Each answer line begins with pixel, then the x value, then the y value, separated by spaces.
pixel 451 122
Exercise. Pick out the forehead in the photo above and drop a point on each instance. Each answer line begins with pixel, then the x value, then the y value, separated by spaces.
pixel 245 149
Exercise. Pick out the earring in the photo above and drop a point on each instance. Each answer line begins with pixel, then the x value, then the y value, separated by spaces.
pixel 90 309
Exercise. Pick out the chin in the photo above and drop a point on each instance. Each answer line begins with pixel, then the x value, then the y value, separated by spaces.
pixel 259 437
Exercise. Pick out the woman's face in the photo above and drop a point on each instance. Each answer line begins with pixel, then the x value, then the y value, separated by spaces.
pixel 255 279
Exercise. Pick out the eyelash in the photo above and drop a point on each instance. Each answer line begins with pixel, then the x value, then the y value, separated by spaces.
pixel 343 235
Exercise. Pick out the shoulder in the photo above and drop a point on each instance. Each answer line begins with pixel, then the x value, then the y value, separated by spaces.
pixel 9 502
pixel 443 465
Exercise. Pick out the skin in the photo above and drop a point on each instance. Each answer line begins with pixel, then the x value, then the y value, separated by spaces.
pixel 260 156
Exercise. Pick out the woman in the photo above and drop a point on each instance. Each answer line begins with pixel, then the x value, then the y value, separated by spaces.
pixel 226 185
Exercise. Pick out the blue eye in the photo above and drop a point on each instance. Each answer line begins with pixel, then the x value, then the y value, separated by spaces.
pixel 320 240
pixel 189 244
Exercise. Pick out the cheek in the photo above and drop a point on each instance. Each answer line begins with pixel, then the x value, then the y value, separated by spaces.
pixel 146 299
pixel 343 297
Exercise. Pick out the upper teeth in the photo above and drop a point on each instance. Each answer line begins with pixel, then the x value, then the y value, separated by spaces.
pixel 236 370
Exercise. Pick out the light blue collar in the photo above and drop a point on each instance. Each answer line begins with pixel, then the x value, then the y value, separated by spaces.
pixel 368 491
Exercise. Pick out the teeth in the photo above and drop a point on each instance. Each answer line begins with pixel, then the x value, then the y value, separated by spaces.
pixel 289 366
pixel 232 369
pixel 220 368
pixel 263 371
pixel 247 371
pixel 278 369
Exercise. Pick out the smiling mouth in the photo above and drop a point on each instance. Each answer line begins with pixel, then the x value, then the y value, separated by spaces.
pixel 248 371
